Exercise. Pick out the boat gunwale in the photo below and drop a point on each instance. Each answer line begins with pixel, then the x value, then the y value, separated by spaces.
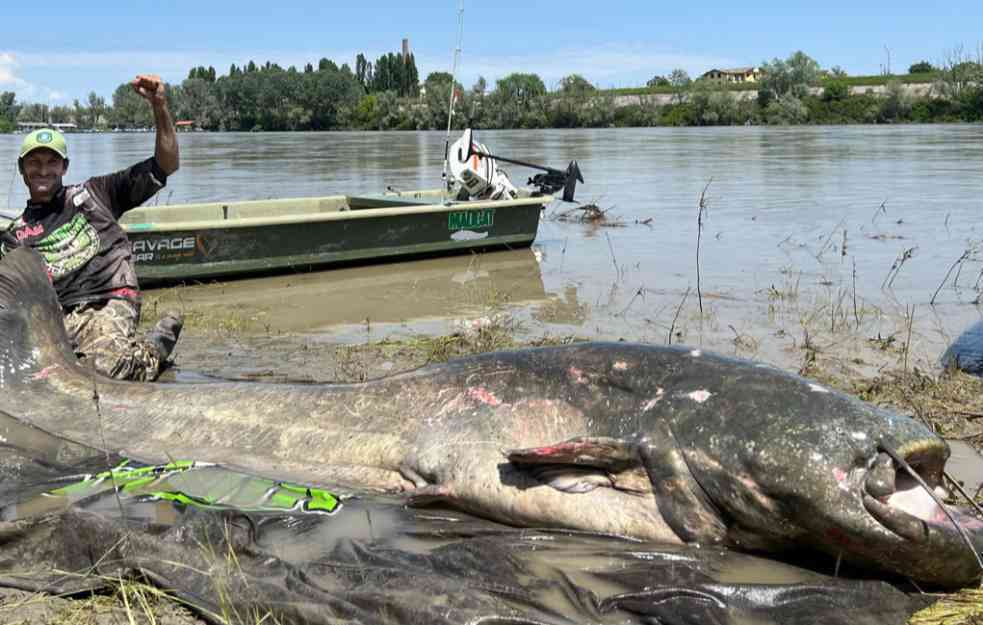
pixel 337 215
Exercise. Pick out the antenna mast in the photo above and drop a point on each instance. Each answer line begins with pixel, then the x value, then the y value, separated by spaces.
pixel 453 96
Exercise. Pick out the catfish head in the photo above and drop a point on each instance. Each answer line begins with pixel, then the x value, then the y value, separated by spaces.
pixel 749 456
pixel 786 460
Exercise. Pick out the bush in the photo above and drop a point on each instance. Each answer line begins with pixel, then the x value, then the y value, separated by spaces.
pixel 835 89
pixel 677 115
pixel 635 116
pixel 972 104
pixel 786 109
pixel 935 110
pixel 896 106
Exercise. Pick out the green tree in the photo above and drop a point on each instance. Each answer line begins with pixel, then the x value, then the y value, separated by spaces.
pixel 786 109
pixel 8 111
pixel 130 110
pixel 835 89
pixel 959 72
pixel 411 78
pixel 575 85
pixel 197 100
pixel 33 112
pixel 437 95
pixel 518 101
pixel 791 77
pixel 680 82
pixel 712 106
pixel 896 106
pixel 96 109
pixel 60 114
pixel 921 67
pixel 658 81
pixel 79 114
pixel 8 106
pixel 363 70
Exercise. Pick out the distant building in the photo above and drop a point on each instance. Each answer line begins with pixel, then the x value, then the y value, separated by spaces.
pixel 739 74
pixel 184 124
pixel 406 49
pixel 63 126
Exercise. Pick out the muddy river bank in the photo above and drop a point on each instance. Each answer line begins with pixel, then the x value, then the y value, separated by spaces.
pixel 849 255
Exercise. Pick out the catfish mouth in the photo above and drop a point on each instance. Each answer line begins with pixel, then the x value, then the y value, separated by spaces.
pixel 896 500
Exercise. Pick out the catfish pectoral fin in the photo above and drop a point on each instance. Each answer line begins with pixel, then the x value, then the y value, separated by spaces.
pixel 682 502
pixel 594 451
pixel 429 495
pixel 411 475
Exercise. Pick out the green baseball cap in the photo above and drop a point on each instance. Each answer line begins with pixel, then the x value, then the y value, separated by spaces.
pixel 44 138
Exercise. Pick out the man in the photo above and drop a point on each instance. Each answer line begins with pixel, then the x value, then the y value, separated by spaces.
pixel 87 253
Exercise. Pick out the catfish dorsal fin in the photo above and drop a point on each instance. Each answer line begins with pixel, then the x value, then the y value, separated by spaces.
pixel 32 329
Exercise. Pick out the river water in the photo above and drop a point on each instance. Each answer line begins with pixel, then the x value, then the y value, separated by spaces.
pixel 803 229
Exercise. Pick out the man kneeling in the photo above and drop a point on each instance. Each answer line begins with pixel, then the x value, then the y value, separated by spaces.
pixel 87 252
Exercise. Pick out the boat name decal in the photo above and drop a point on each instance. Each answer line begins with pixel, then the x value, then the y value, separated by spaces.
pixel 163 248
pixel 469 220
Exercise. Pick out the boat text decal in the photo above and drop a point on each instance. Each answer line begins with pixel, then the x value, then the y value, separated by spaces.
pixel 163 248
pixel 469 220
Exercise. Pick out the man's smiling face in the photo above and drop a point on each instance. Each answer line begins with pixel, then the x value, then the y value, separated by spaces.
pixel 43 170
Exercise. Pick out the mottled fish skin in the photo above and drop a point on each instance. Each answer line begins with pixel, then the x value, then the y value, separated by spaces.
pixel 658 443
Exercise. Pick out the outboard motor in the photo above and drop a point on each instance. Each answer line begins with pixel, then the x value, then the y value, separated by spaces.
pixel 477 172
pixel 479 175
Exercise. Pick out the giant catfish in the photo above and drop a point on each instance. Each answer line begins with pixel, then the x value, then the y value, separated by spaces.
pixel 658 443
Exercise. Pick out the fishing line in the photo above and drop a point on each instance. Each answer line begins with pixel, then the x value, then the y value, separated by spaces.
pixel 450 111
pixel 962 492
pixel 907 467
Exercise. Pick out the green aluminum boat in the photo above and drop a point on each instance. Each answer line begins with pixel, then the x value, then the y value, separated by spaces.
pixel 224 239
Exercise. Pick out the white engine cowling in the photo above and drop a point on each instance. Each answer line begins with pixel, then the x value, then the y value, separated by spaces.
pixel 480 176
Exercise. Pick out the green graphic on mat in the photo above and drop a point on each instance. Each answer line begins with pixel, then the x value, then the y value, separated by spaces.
pixel 201 485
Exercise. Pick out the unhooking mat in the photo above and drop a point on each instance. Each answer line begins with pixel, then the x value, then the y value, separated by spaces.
pixel 237 546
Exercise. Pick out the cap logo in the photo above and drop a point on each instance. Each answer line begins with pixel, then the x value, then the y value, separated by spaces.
pixel 44 137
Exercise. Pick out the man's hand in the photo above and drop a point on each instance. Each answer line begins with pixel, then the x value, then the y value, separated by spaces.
pixel 150 87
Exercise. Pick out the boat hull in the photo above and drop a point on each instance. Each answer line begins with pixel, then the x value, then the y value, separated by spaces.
pixel 196 242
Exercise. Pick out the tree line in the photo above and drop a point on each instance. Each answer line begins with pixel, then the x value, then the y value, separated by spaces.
pixel 388 94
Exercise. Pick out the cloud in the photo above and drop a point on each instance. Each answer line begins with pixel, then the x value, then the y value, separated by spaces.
pixel 8 76
pixel 74 75
pixel 605 66
pixel 58 77
pixel 10 80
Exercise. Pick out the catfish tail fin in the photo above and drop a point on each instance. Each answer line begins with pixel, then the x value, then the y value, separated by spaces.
pixel 32 328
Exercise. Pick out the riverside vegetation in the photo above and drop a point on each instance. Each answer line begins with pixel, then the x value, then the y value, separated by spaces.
pixel 387 95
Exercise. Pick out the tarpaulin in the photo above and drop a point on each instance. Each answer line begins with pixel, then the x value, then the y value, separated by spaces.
pixel 238 546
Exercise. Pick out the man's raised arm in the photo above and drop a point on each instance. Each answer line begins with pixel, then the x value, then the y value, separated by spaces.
pixel 151 88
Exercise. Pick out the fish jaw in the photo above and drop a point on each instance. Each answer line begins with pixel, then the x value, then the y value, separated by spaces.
pixel 935 543
pixel 876 516
pixel 828 485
